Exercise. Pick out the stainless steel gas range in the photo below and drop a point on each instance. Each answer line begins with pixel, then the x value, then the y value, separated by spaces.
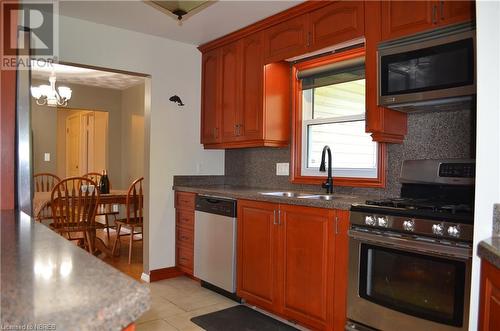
pixel 410 257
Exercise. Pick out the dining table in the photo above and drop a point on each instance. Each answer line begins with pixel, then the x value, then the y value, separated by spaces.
pixel 42 200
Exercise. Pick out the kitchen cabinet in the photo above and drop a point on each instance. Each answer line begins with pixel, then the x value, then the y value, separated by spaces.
pixel 287 39
pixel 184 226
pixel 292 261
pixel 229 91
pixel 210 97
pixel 337 22
pixel 401 18
pixel 246 103
pixel 489 303
pixel 385 125
pixel 257 253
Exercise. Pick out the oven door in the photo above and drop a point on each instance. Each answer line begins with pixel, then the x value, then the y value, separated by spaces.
pixel 397 283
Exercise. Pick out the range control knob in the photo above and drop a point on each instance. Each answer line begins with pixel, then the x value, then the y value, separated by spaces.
pixel 382 221
pixel 370 220
pixel 454 231
pixel 438 229
pixel 409 225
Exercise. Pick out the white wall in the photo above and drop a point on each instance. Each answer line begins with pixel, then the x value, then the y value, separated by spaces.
pixel 175 147
pixel 488 133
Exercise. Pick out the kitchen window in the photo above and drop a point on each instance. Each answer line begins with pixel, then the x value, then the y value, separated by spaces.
pixel 329 109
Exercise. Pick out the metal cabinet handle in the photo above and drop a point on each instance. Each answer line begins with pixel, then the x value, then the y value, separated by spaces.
pixel 279 216
pixel 441 9
pixel 274 217
pixel 216 130
pixel 336 225
pixel 434 12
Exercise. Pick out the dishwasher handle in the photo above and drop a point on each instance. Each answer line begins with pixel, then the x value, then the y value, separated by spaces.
pixel 216 205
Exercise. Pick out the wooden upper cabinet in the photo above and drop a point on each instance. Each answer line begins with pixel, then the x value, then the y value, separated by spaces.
pixel 252 80
pixel 456 11
pixel 210 97
pixel 230 61
pixel 257 250
pixel 286 39
pixel 402 18
pixel 308 241
pixel 338 22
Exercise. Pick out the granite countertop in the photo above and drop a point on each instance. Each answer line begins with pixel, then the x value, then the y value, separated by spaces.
pixel 50 283
pixel 489 250
pixel 341 201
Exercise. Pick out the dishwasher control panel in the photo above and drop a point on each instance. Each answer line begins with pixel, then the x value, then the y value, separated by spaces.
pixel 216 205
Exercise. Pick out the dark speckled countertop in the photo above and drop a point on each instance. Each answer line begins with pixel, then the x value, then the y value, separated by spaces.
pixel 50 283
pixel 340 201
pixel 489 250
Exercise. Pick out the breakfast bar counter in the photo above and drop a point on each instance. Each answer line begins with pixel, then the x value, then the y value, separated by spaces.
pixel 49 283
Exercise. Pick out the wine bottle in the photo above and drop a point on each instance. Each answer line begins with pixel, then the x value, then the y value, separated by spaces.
pixel 104 183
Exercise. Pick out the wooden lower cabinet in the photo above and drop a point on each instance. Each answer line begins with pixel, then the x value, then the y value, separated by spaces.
pixel 184 226
pixel 489 304
pixel 292 261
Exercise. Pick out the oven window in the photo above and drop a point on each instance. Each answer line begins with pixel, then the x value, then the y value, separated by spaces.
pixel 440 67
pixel 420 285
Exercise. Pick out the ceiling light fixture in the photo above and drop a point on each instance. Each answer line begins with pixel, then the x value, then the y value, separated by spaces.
pixel 180 8
pixel 49 95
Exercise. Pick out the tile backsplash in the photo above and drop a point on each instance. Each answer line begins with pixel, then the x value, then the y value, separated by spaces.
pixel 430 136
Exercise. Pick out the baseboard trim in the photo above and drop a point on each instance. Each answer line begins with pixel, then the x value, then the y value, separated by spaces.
pixel 164 273
pixel 145 277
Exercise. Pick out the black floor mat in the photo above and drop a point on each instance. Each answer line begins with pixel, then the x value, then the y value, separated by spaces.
pixel 239 318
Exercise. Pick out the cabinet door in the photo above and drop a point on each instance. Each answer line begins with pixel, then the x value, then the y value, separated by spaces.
pixel 338 22
pixel 455 11
pixel 286 40
pixel 489 304
pixel 307 257
pixel 250 123
pixel 229 91
pixel 400 18
pixel 257 244
pixel 210 97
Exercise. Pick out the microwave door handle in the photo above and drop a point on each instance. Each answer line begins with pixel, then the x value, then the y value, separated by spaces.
pixel 411 245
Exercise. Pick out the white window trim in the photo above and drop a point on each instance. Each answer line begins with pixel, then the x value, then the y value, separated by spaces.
pixel 336 172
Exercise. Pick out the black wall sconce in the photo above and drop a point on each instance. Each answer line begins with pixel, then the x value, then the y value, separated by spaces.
pixel 177 100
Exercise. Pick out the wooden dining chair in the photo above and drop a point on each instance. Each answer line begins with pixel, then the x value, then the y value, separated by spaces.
pixel 44 182
pixel 103 209
pixel 134 212
pixel 74 209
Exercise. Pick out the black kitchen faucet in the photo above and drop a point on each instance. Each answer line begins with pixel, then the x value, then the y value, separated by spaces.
pixel 329 180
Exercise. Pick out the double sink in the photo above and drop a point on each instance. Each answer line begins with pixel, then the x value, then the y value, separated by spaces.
pixel 289 194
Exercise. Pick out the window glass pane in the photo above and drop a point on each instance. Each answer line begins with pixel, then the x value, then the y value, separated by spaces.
pixel 344 99
pixel 351 147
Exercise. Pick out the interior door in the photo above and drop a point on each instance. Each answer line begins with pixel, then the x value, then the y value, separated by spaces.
pixel 73 146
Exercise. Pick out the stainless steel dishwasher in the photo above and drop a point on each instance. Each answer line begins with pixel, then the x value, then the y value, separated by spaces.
pixel 215 244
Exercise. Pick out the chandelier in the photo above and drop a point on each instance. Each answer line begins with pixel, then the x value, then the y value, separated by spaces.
pixel 49 95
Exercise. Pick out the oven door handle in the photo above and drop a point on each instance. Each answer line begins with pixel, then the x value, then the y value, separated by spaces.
pixel 411 244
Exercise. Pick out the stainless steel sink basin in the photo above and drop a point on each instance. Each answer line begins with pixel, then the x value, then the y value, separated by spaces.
pixel 318 196
pixel 285 194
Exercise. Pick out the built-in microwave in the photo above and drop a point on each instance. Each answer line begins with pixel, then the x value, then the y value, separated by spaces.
pixel 433 70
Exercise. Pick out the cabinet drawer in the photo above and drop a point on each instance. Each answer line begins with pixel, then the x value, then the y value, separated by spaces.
pixel 185 258
pixel 185 218
pixel 184 200
pixel 185 237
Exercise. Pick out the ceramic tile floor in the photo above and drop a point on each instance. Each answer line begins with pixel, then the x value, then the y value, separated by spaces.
pixel 175 301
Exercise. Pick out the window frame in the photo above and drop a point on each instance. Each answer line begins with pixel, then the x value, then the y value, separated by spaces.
pixel 297 129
